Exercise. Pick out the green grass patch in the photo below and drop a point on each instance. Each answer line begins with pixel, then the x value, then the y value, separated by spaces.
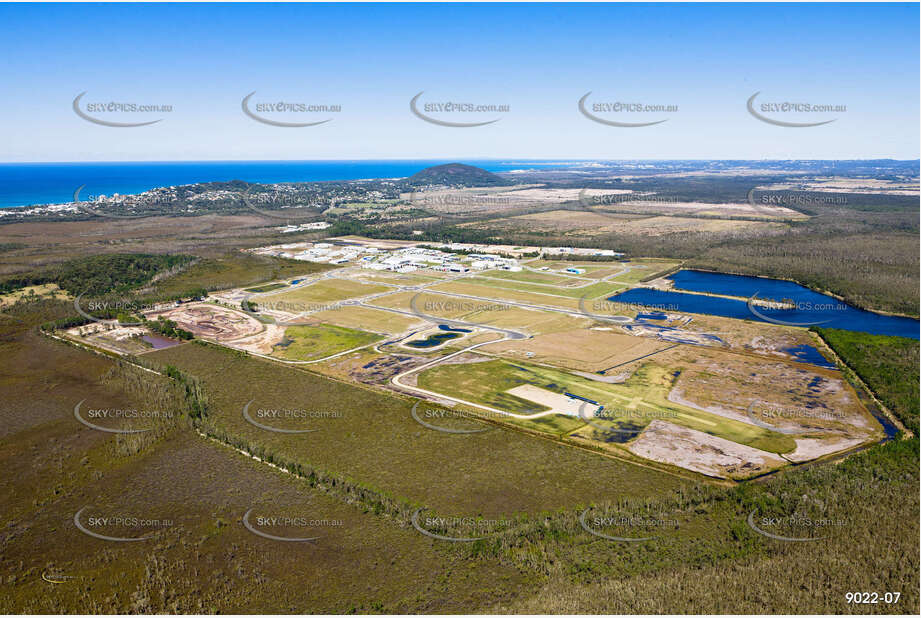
pixel 631 405
pixel 376 442
pixel 236 269
pixel 266 288
pixel 594 290
pixel 311 342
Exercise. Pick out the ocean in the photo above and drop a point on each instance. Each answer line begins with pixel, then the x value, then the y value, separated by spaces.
pixel 26 184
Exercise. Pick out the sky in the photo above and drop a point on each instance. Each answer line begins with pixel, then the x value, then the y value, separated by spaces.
pixel 703 60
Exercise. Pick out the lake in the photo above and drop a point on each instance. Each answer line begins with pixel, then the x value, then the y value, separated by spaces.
pixel 811 308
pixel 159 342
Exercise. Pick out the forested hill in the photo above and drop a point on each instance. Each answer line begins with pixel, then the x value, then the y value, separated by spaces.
pixel 456 175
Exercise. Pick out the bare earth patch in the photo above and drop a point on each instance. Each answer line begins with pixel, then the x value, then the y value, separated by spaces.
pixel 698 451
pixel 211 321
pixel 808 448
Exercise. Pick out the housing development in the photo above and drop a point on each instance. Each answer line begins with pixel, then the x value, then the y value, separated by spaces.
pixel 460 309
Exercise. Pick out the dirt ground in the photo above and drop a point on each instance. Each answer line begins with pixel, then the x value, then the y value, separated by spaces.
pixel 695 450
pixel 211 321
pixel 812 400
pixel 587 350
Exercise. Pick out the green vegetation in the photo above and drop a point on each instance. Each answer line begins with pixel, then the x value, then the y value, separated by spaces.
pixel 317 341
pixel 888 365
pixel 266 288
pixel 593 290
pixel 236 269
pixel 374 443
pixel 486 383
pixel 857 266
pixel 872 497
pixel 99 274
pixel 168 328
pixel 456 175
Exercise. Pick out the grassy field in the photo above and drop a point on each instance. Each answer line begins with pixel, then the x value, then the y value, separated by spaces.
pixel 317 341
pixel 373 320
pixel 481 288
pixel 872 496
pixel 235 269
pixel 644 394
pixel 375 441
pixel 527 276
pixel 573 346
pixel 328 291
pixel 45 289
pixel 266 288
pixel 205 561
pixel 593 290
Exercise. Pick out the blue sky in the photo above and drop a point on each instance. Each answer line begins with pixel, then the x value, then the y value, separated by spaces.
pixel 539 59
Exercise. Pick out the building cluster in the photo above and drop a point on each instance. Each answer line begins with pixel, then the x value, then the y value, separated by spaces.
pixel 316 225
pixel 402 259
pixel 324 252
pixel 579 251
pixel 414 258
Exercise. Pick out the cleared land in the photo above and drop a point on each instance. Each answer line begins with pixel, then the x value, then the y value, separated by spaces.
pixel 375 439
pixel 629 406
pixel 695 450
pixel 319 340
pixel 211 321
pixel 595 221
pixel 373 320
pixel 581 349
pixel 327 291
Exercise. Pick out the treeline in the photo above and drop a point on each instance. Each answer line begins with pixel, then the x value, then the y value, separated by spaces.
pixel 98 274
pixel 873 271
pixel 168 328
pixel 888 365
